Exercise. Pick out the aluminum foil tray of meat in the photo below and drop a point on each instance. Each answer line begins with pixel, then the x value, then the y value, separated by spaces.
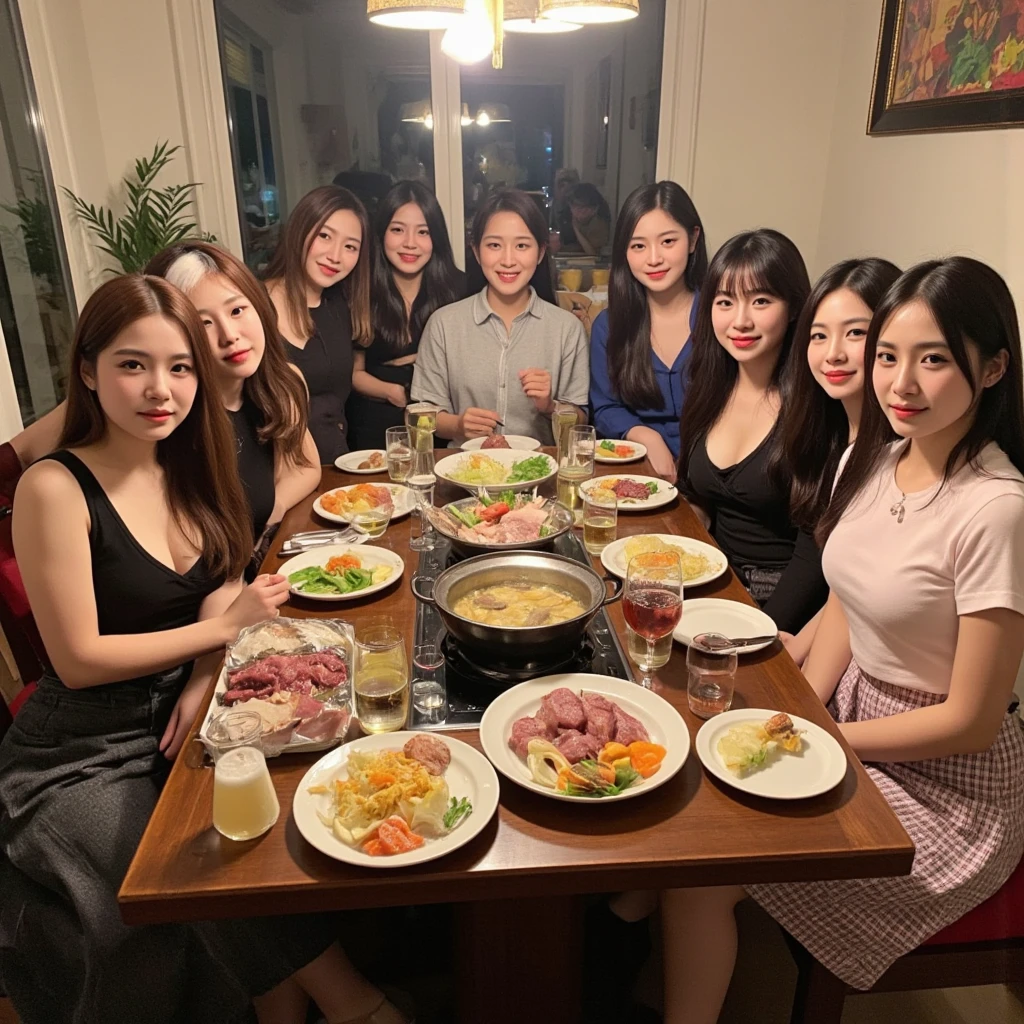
pixel 296 674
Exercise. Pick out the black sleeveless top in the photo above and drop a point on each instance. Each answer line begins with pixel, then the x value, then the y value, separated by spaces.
pixel 135 592
pixel 255 464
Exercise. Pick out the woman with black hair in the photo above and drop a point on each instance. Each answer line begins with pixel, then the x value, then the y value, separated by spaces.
pixel 731 463
pixel 414 274
pixel 590 217
pixel 639 345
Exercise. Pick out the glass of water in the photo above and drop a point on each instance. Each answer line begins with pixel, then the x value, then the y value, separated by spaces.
pixel 421 482
pixel 429 696
pixel 398 447
pixel 711 681
pixel 381 679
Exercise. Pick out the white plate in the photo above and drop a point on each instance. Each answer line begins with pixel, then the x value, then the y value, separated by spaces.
pixel 819 767
pixel 370 557
pixel 730 618
pixel 613 557
pixel 349 463
pixel 468 775
pixel 506 456
pixel 639 451
pixel 520 442
pixel 402 498
pixel 659 718
pixel 665 493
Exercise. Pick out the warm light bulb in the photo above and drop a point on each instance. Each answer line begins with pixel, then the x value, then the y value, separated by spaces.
pixel 483 119
pixel 428 122
pixel 471 38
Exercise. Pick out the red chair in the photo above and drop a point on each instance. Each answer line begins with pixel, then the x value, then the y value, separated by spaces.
pixel 985 947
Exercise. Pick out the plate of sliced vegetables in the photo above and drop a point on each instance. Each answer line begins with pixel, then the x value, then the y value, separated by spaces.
pixel 341 572
pixel 619 451
pixel 496 470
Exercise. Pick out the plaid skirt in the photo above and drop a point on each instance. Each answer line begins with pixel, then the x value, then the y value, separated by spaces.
pixel 965 814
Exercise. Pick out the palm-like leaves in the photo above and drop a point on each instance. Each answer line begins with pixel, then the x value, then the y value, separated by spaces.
pixel 153 218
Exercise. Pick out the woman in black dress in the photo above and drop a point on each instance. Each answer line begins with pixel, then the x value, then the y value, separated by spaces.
pixel 131 539
pixel 319 282
pixel 731 464
pixel 414 273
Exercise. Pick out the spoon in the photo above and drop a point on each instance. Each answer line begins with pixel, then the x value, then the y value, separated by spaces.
pixel 718 643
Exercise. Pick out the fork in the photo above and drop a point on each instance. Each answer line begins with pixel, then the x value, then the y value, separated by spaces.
pixel 318 538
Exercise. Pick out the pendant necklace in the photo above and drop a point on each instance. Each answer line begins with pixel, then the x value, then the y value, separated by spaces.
pixel 897 509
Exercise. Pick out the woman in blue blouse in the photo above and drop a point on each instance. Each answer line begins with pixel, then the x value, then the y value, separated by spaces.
pixel 639 344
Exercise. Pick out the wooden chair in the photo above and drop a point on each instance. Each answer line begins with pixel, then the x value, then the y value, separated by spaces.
pixel 985 947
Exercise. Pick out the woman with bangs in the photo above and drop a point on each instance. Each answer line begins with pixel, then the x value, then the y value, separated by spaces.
pixel 732 465
pixel 414 274
pixel 918 648
pixel 131 539
pixel 319 282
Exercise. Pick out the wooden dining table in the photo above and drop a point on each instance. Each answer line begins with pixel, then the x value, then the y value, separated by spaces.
pixel 519 882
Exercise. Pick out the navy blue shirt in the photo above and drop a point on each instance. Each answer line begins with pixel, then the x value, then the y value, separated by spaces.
pixel 612 417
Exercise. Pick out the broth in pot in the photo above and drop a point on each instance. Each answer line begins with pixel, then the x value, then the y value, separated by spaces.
pixel 518 604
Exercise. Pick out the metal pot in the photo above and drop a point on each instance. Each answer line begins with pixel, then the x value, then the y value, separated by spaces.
pixel 517 643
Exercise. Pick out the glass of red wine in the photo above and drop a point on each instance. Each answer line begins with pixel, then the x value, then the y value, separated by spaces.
pixel 652 601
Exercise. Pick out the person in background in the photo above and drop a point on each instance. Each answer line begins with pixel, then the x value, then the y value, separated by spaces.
pixel 414 274
pixel 143 508
pixel 639 345
pixel 591 218
pixel 500 358
pixel 561 215
pixel 823 394
pixel 731 462
pixel 319 282
pixel 918 648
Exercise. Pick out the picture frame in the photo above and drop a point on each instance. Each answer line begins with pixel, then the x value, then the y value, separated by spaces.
pixel 948 65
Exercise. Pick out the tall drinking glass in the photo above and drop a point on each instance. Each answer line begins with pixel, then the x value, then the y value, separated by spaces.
pixel 381 679
pixel 398 447
pixel 577 468
pixel 652 601
pixel 421 419
pixel 563 417
pixel 421 481
pixel 600 520
pixel 245 804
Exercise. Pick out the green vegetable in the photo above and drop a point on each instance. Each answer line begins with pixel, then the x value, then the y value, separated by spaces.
pixel 652 487
pixel 608 446
pixel 625 776
pixel 317 580
pixel 485 499
pixel 464 516
pixel 457 810
pixel 544 531
pixel 509 497
pixel 528 469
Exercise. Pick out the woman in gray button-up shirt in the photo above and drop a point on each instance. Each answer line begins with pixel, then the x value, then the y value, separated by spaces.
pixel 501 358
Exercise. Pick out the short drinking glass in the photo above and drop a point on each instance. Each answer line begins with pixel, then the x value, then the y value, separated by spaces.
pixel 381 679
pixel 373 521
pixel 600 520
pixel 711 681
pixel 398 447
pixel 429 696
pixel 245 804
pixel 652 601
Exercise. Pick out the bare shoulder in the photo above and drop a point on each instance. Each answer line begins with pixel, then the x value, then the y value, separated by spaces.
pixel 48 480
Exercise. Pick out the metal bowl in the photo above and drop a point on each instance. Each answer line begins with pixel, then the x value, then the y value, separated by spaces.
pixel 517 643
pixel 560 520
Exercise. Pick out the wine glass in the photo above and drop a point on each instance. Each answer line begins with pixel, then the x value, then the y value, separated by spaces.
pixel 652 602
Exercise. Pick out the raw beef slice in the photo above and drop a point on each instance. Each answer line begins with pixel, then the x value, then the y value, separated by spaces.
pixel 627 728
pixel 600 717
pixel 566 707
pixel 526 729
pixel 577 746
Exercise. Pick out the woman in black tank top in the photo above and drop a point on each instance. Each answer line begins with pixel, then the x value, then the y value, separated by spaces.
pixel 130 542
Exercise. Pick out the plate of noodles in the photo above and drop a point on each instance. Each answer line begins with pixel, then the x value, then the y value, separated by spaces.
pixel 702 562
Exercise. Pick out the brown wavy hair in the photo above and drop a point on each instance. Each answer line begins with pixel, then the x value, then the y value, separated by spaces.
pixel 198 458
pixel 275 389
pixel 288 264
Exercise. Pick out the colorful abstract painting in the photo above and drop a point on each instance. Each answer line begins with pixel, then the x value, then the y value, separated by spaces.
pixel 949 64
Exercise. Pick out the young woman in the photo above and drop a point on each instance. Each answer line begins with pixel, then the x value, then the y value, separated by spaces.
pixel 639 345
pixel 823 393
pixel 590 217
pixel 143 509
pixel 919 645
pixel 319 282
pixel 730 441
pixel 501 358
pixel 414 273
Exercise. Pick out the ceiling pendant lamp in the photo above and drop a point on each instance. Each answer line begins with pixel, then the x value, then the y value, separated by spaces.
pixel 421 14
pixel 524 16
pixel 471 38
pixel 589 12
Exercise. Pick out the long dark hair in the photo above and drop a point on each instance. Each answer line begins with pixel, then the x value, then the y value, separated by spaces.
pixel 754 261
pixel 629 318
pixel 440 284
pixel 288 264
pixel 972 305
pixel 513 200
pixel 198 458
pixel 814 427
pixel 274 389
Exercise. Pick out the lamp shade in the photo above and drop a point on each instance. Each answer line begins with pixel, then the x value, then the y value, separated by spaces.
pixel 523 16
pixel 422 14
pixel 589 12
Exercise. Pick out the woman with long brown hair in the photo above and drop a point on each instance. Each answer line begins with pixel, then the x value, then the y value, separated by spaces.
pixel 131 539
pixel 319 282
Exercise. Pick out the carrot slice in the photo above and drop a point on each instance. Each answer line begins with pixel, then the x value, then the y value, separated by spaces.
pixel 374 847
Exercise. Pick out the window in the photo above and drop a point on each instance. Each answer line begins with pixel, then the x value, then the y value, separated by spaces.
pixel 37 311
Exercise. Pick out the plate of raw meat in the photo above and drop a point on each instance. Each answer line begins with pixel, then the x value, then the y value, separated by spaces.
pixel 501 522
pixel 518 441
pixel 584 737
pixel 634 493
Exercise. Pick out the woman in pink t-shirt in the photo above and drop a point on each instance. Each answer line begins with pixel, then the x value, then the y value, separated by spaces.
pixel 919 644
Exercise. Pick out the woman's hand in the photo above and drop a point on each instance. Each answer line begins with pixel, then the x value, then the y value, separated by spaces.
pixel 661 459
pixel 260 600
pixel 396 396
pixel 185 709
pixel 477 422
pixel 537 386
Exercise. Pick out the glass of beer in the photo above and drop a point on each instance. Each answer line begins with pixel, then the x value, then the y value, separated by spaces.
pixel 562 419
pixel 398 447
pixel 245 804
pixel 600 519
pixel 577 468
pixel 421 419
pixel 381 679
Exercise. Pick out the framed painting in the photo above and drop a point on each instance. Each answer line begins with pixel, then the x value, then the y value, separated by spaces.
pixel 946 65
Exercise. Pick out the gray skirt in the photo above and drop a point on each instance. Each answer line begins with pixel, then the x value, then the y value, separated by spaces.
pixel 80 774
